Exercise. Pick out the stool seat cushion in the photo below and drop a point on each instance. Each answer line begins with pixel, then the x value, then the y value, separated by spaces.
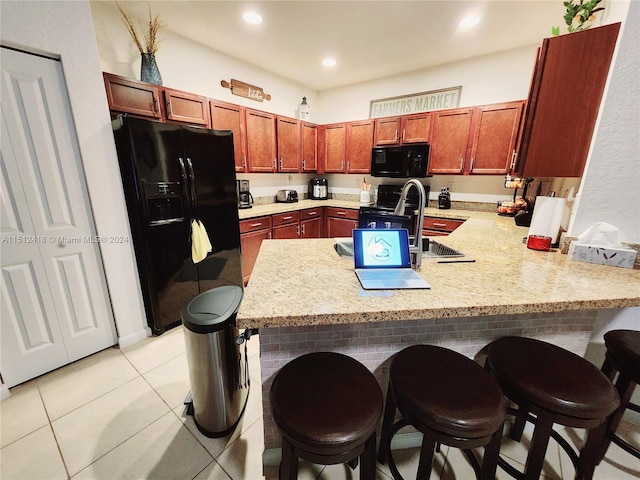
pixel 551 377
pixel 624 346
pixel 446 391
pixel 326 403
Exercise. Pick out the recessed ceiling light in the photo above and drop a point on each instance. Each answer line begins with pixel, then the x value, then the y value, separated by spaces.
pixel 469 21
pixel 329 62
pixel 252 17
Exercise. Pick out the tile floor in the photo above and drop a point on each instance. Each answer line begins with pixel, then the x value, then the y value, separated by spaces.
pixel 119 414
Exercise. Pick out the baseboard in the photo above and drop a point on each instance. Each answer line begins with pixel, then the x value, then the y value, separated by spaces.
pixel 272 456
pixel 134 337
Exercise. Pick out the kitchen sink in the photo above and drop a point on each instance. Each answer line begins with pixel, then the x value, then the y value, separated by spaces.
pixel 437 251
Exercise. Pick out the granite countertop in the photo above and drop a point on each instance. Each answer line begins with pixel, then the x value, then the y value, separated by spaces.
pixel 305 282
pixel 275 208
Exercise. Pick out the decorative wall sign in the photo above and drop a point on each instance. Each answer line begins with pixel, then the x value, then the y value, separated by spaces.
pixel 416 102
pixel 245 90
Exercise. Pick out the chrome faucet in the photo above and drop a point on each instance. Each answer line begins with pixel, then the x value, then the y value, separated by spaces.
pixel 416 248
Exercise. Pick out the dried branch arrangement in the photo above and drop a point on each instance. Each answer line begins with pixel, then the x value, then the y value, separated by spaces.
pixel 148 35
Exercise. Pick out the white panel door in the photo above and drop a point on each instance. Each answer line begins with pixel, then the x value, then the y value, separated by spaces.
pixel 55 305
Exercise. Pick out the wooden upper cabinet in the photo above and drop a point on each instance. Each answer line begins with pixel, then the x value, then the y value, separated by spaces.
pixel 186 107
pixel 495 132
pixel 564 99
pixel 387 130
pixel 130 96
pixel 261 141
pixel 288 144
pixel 309 146
pixel 226 116
pixel 334 147
pixel 450 132
pixel 400 130
pixel 415 128
pixel 359 145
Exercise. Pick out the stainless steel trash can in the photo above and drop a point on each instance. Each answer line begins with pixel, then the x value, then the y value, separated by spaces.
pixel 218 367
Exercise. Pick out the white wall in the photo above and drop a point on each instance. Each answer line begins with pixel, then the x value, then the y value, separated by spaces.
pixel 610 186
pixel 65 29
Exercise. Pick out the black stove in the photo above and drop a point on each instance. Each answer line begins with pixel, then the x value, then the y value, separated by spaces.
pixel 389 196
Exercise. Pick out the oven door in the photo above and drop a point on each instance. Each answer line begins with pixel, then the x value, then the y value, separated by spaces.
pixel 372 217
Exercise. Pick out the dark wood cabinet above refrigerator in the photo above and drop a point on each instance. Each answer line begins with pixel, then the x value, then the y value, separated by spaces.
pixel 566 90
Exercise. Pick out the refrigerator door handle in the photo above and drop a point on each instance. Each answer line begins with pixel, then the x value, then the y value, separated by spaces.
pixel 185 183
pixel 192 183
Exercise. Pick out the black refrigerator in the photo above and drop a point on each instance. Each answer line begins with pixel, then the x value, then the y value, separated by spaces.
pixel 172 175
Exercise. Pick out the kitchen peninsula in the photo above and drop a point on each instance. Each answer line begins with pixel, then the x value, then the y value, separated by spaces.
pixel 304 297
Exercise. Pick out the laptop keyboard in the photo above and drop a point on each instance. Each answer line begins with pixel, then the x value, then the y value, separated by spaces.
pixel 384 274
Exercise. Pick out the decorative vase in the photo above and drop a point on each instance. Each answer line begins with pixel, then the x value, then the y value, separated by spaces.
pixel 149 69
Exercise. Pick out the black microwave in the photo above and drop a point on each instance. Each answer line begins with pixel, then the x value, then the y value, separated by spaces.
pixel 404 161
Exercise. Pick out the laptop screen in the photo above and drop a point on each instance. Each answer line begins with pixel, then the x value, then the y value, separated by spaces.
pixel 381 248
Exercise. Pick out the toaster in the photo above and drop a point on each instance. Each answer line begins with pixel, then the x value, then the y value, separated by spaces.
pixel 287 196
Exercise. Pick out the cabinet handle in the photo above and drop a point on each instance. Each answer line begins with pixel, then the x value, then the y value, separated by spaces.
pixel 298 230
pixel 304 165
pixel 513 160
pixel 256 224
pixel 244 162
pixel 436 224
pixel 275 164
pixel 395 137
pixel 312 213
pixel 404 134
pixel 341 213
pixel 156 104
pixel 287 218
pixel 303 229
pixel 281 164
pixel 461 163
pixel 471 167
pixel 170 112
pixel 269 235
pixel 342 165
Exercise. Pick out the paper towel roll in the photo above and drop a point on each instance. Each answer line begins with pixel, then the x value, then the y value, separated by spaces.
pixel 547 215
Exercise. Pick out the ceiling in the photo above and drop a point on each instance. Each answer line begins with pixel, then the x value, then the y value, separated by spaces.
pixel 368 39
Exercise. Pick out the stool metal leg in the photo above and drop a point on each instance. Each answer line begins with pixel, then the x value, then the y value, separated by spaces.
pixel 426 456
pixel 538 448
pixel 490 459
pixel 289 462
pixel 387 425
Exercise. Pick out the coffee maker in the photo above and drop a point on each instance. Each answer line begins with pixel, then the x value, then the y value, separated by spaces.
pixel 245 199
pixel 318 189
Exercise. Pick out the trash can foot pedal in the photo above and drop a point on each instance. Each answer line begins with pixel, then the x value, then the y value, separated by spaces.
pixel 189 403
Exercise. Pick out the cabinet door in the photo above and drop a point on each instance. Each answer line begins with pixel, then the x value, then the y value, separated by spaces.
pixel 309 144
pixel 311 228
pixel 186 107
pixel 250 246
pixel 225 116
pixel 335 141
pixel 387 131
pixel 359 145
pixel 415 128
pixel 288 137
pixel 564 99
pixel 449 140
pixel 129 96
pixel 340 227
pixel 287 231
pixel 261 141
pixel 495 137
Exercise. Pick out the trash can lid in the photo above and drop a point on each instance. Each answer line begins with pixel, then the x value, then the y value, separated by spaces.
pixel 212 310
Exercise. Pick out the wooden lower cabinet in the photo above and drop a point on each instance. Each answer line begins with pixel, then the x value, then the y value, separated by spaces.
pixel 311 223
pixel 341 222
pixel 439 227
pixel 252 232
pixel 286 225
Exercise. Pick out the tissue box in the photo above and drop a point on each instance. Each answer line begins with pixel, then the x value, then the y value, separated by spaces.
pixel 613 256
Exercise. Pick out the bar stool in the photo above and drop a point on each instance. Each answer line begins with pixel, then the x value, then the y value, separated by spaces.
pixel 622 357
pixel 450 399
pixel 558 387
pixel 327 407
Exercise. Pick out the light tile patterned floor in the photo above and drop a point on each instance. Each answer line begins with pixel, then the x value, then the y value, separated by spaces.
pixel 119 415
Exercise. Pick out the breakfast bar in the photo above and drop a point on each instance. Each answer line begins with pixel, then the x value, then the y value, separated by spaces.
pixel 304 297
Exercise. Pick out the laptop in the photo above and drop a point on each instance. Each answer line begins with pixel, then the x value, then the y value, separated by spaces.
pixel 382 260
